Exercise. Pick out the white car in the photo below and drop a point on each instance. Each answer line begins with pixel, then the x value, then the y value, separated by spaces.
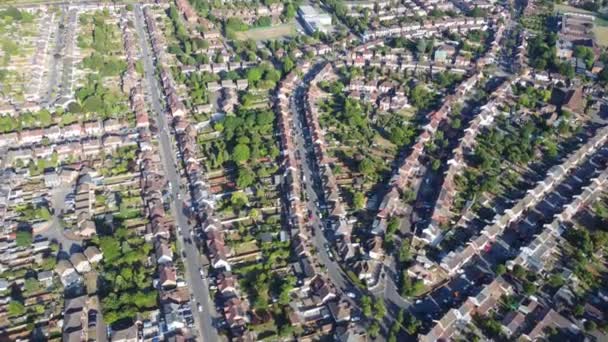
pixel 355 319
pixel 200 307
pixel 200 270
pixel 351 295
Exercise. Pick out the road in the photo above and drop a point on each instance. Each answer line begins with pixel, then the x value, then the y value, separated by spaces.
pixel 60 37
pixel 315 200
pixel 192 261
pixel 334 271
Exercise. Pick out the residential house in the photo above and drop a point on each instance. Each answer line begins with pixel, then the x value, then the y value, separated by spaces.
pixel 93 254
pixel 80 262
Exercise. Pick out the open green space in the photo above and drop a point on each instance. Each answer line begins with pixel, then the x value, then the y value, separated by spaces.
pixel 267 33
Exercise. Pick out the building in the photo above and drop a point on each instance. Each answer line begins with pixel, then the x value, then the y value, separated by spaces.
pixel 314 20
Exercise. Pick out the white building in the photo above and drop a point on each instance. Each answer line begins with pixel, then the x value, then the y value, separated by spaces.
pixel 314 20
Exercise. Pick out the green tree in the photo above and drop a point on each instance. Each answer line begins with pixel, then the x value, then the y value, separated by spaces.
pixel 359 200
pixel 366 167
pixel 239 199
pixel 288 64
pixel 590 325
pixel 529 288
pixel 245 178
pixel 556 280
pixel 500 269
pixel 366 305
pixel 519 272
pixel 240 153
pixel 93 104
pixel 254 74
pixel 404 252
pixel 411 324
pixel 374 329
pixel 379 309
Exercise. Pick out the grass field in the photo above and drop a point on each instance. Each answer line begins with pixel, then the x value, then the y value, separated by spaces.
pixel 601 35
pixel 264 33
pixel 599 21
pixel 601 25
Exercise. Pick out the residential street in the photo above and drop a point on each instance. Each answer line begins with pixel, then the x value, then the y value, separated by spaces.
pixel 198 286
pixel 386 289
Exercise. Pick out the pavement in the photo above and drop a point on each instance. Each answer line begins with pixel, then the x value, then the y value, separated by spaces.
pixel 199 286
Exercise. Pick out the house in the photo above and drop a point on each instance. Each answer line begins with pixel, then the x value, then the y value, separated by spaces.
pixel 45 278
pixel 53 133
pixel 226 283
pixel 321 290
pixel 112 126
pixel 8 139
pixel 512 322
pixel 164 254
pixel 31 136
pixel 375 247
pixel 93 254
pixel 235 312
pixel 213 86
pixel 340 310
pixel 85 228
pixel 129 334
pixel 440 56
pixel 72 131
pixel 51 179
pixel 545 318
pixel 575 101
pixel 368 270
pixel 74 319
pixel 93 128
pixel 242 84
pixel 80 262
pixel 66 272
pixel 167 276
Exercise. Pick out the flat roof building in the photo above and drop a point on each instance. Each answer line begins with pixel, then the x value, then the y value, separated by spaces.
pixel 314 20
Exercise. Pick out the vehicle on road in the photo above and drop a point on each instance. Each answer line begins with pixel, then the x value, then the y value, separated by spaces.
pixel 200 270
pixel 351 295
pixel 199 307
